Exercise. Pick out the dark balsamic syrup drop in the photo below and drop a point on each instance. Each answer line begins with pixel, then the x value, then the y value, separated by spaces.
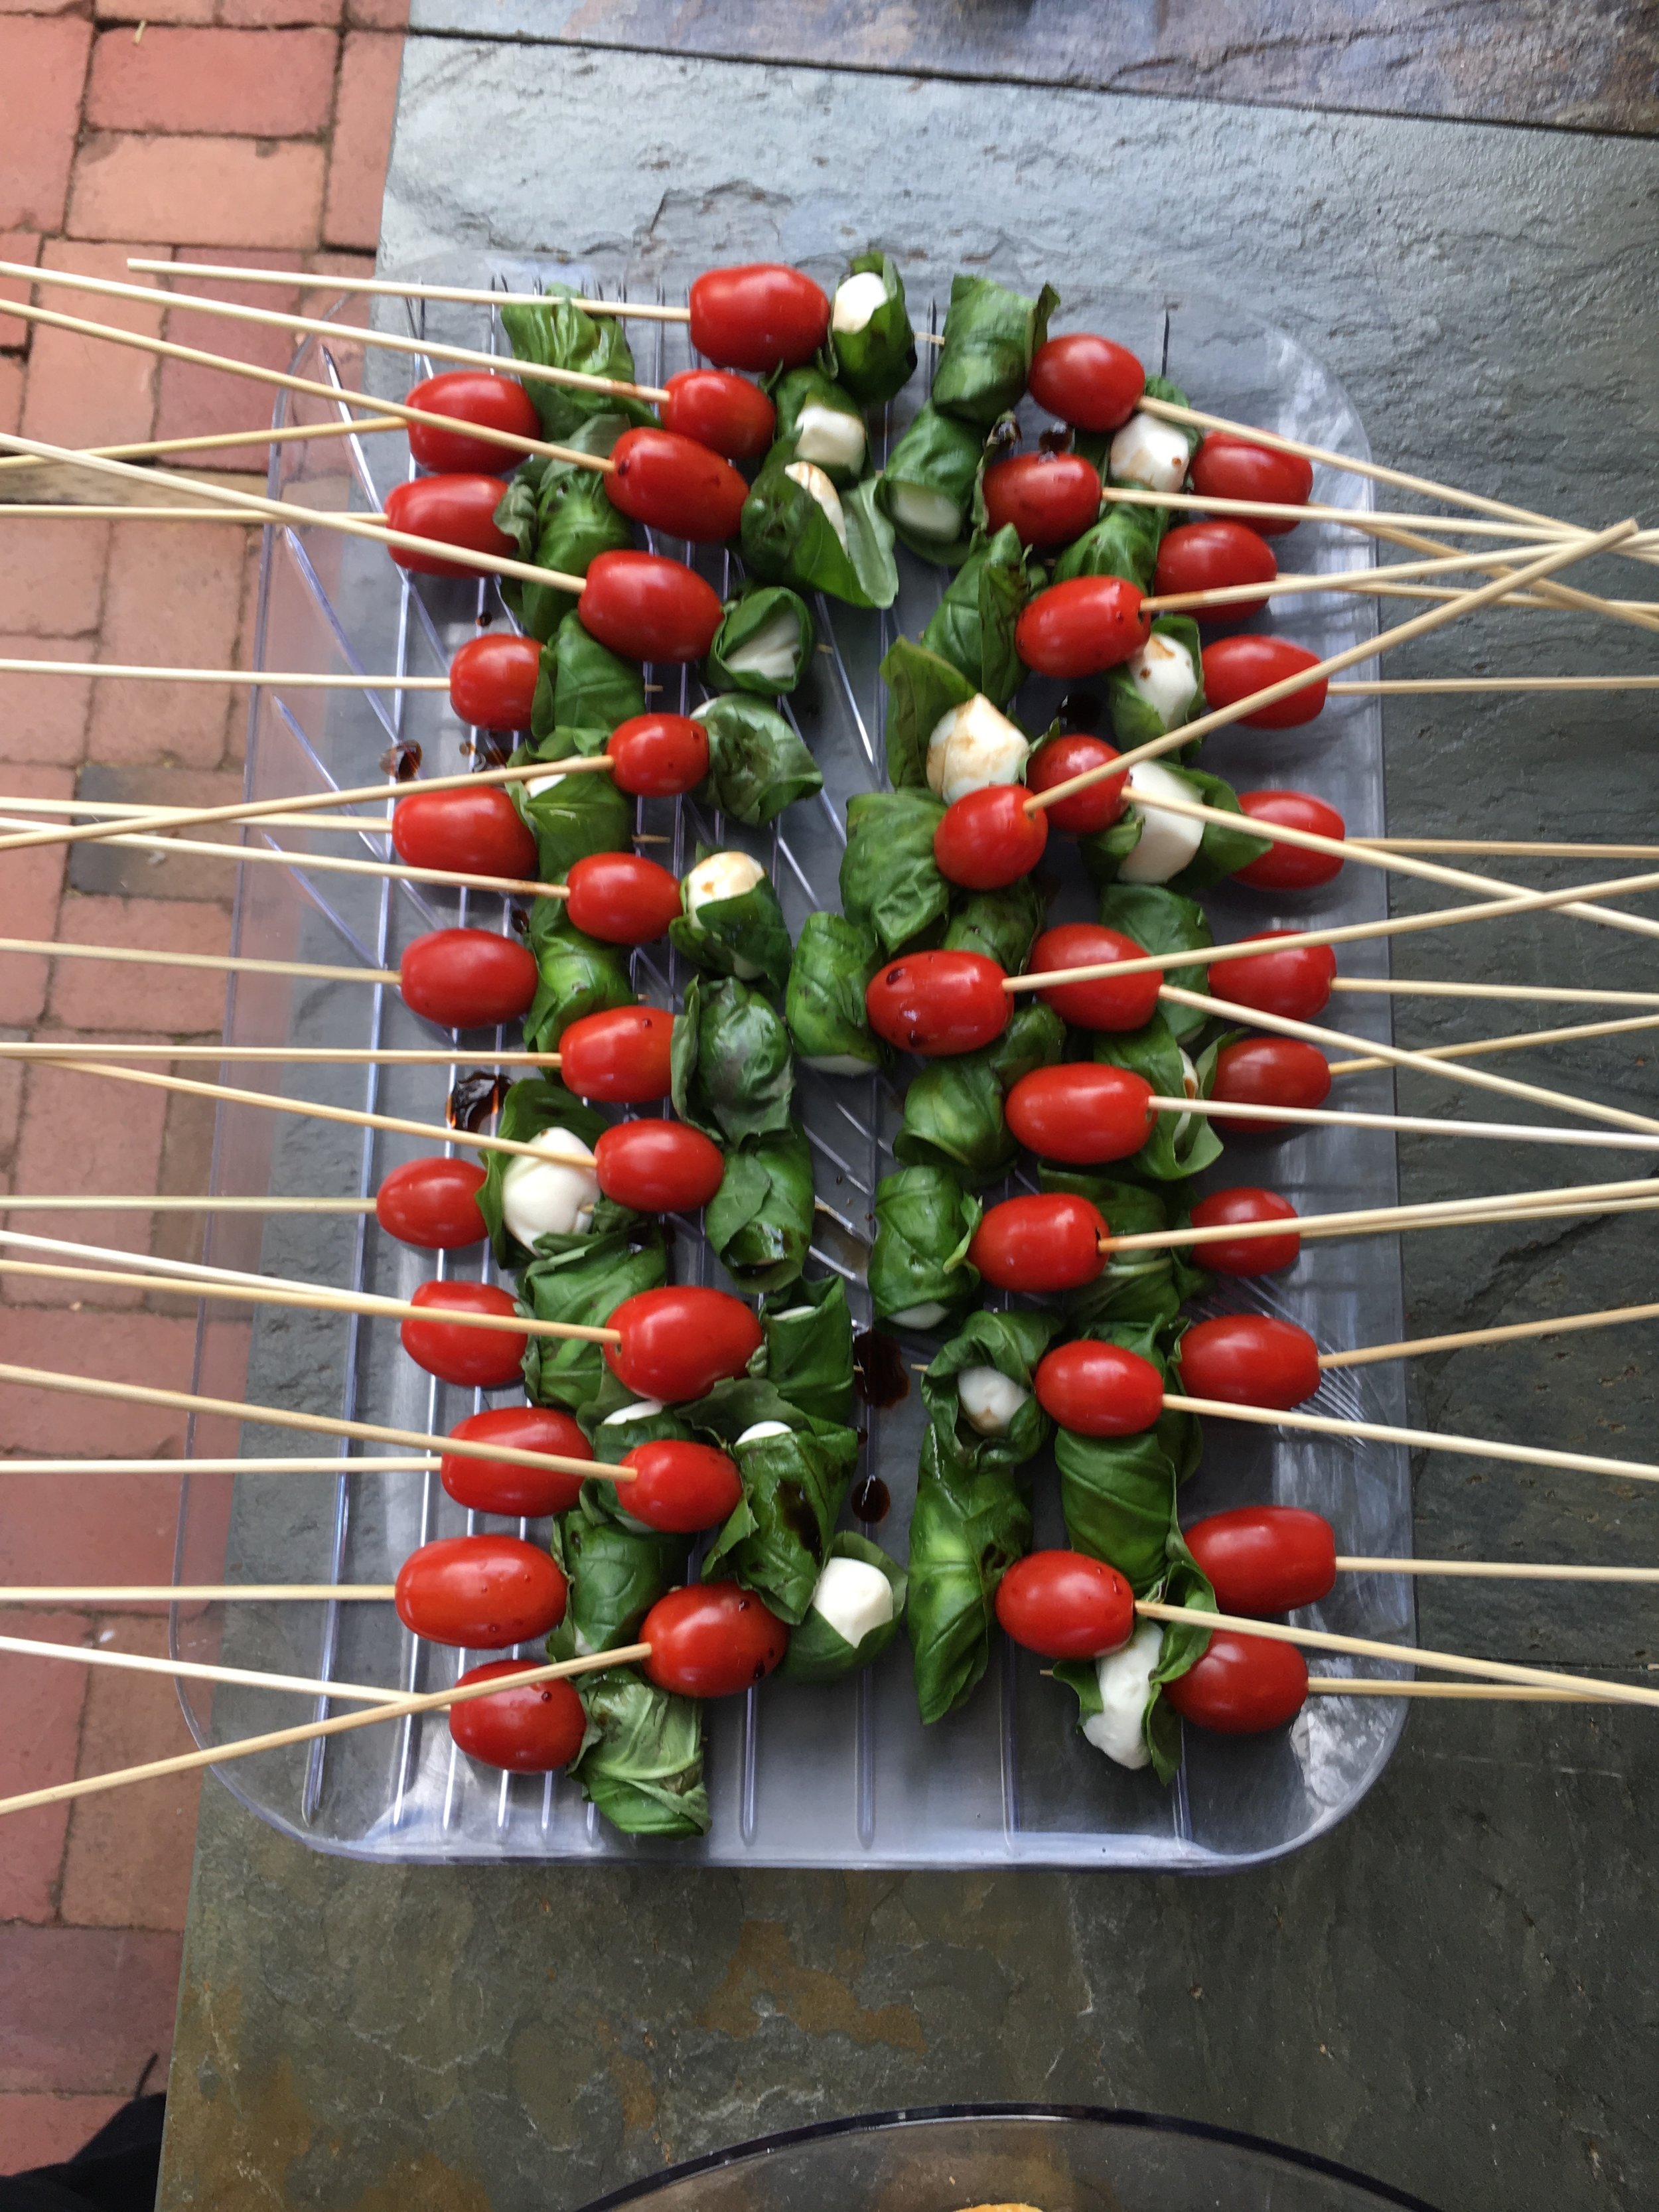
pixel 474 1099
pixel 878 1369
pixel 1079 711
pixel 401 761
pixel 871 1500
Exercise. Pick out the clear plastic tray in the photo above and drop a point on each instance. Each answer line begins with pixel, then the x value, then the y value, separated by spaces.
pixel 838 1776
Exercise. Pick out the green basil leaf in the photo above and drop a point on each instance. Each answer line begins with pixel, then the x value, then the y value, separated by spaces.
pixel 1002 925
pixel 617 1572
pixel 879 360
pixel 746 937
pixel 1223 851
pixel 787 538
pixel 1181 1649
pixel 1118 1496
pixel 969 1526
pixel 1012 1342
pixel 541 1102
pixel 643 1763
pixel 615 1425
pixel 819 1653
pixel 807 402
pixel 1145 1288
pixel 890 880
pixel 576 976
pixel 927 488
pixel 953 1109
pixel 921 689
pixel 570 817
pixel 759 1221
pixel 583 686
pixel 1161 387
pixel 764 643
pixel 919 1270
pixel 562 335
pixel 1154 1053
pixel 756 764
pixel 807 1356
pixel 973 625
pixel 869 545
pixel 562 519
pixel 732 1073
pixel 1123 542
pixel 834 961
pixel 1135 720
pixel 777 1538
pixel 584 1284
pixel 1160 919
pixel 990 335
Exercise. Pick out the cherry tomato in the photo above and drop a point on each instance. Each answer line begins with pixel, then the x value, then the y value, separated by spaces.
pixel 990 837
pixel 1049 1241
pixel 480 1592
pixel 676 1343
pixel 1291 868
pixel 1205 557
pixel 1127 1002
pixel 658 755
pixel 1250 1359
pixel 1050 498
pixel 1099 1389
pixel 1080 1113
pixel 1245 1256
pixel 1270 1072
pixel 1243 1685
pixel 658 1167
pixel 1296 985
pixel 726 413
pixel 672 483
pixel 455 1351
pixel 711 1640
pixel 647 608
pixel 1087 381
pixel 471 833
pixel 492 681
pixel 621 898
pixel 1066 1605
pixel 1082 627
pixel 433 1203
pixel 758 314
pixel 468 979
pixel 471 395
pixel 458 510
pixel 1227 467
pixel 1096 807
pixel 537 1729
pixel 500 1486
pixel 620 1055
pixel 937 1003
pixel 1235 667
pixel 680 1487
pixel 1266 1558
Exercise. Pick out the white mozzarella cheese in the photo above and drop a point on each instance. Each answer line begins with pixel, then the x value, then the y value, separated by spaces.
pixel 1149 452
pixel 1167 841
pixel 830 436
pixel 1162 675
pixel 812 479
pixel 972 746
pixel 724 876
pixel 642 1409
pixel 933 515
pixel 759 1431
pixel 989 1400
pixel 534 786
pixel 837 1063
pixel 1125 1677
pixel 855 1598
pixel 794 1313
pixel 553 1195
pixel 770 652
pixel 857 299
pixel 1189 1088
pixel 928 1315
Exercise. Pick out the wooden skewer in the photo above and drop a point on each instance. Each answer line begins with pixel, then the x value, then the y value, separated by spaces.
pixel 218 440
pixel 64 510
pixel 299 1055
pixel 1518 1204
pixel 332 1465
pixel 98 1595
pixel 1642 614
pixel 1497 1570
pixel 194 1670
pixel 1369 522
pixel 388 289
pixel 1290 583
pixel 1382 686
pixel 1555 593
pixel 131 814
pixel 1360 1686
pixel 1536 848
pixel 1408 987
pixel 52 948
pixel 1575 1033
pixel 289 680
pixel 1367 1355
pixel 1420 1125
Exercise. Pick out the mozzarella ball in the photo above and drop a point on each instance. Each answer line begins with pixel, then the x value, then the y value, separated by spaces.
pixel 724 876
pixel 989 1400
pixel 813 480
pixel 1162 674
pixel 759 1431
pixel 855 1598
pixel 928 1315
pixel 1190 1088
pixel 933 515
pixel 1168 841
pixel 830 436
pixel 770 653
pixel 972 746
pixel 1125 1677
pixel 857 299
pixel 553 1195
pixel 533 786
pixel 1151 453
pixel 642 1409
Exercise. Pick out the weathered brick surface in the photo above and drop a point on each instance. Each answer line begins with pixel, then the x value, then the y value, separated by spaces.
pixel 45 2127
pixel 42 61
pixel 30 883
pixel 174 593
pixel 83 390
pixel 16 245
pixel 44 718
pixel 99 994
pixel 254 84
pixel 199 191
pixel 43 1702
pixel 362 137
pixel 80 1135
pixel 85 2007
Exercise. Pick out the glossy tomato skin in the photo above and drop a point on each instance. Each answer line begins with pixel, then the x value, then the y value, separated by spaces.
pixel 478 1593
pixel 621 898
pixel 468 979
pixel 1127 1002
pixel 757 314
pixel 502 1486
pixel 1049 1241
pixel 1234 667
pixel 492 681
pixel 1229 467
pixel 471 833
pixel 648 608
pixel 1099 1389
pixel 1049 498
pixel 680 1487
pixel 726 413
pixel 938 1003
pixel 1243 1685
pixel 1250 1359
pixel 672 483
pixel 658 1167
pixel 1206 557
pixel 1295 984
pixel 1066 1605
pixel 476 1358
pixel 1245 1256
pixel 1087 381
pixel 1266 1558
pixel 658 755
pixel 454 510
pixel 677 1342
pixel 1081 1114
pixel 711 1640
pixel 1291 868
pixel 434 1204
pixel 471 395
pixel 1056 761
pixel 1270 1072
pixel 1082 627
pixel 990 837
pixel 537 1729
pixel 620 1054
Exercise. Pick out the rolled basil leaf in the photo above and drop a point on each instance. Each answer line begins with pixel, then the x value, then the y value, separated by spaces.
pixel 1172 1151
pixel 561 518
pixel 756 764
pixel 1181 1648
pixel 617 1572
pixel 973 625
pixel 764 642
pixel 919 1271
pixel 1223 852
pixel 921 689
pixel 615 1422
pixel 1001 925
pixel 953 1109
pixel 584 1284
pixel 1160 919
pixel 570 817
pixel 576 976
pixel 1123 542
pixel 1163 388
pixel 1011 1342
pixel 641 1764
pixel 777 1537
pixel 1118 1496
pixel 877 360
pixel 820 422
pixel 746 936
pixel 990 335
pixel 759 1221
pixel 969 1526
pixel 584 687
pixel 808 1353
pixel 788 539
pixel 1137 1287
pixel 562 335
pixel 927 488
pixel 541 1102
pixel 1136 720
pixel 820 1653
pixel 732 1073
pixel 833 963
pixel 890 880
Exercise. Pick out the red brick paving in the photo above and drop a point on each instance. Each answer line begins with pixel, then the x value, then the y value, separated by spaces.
pixel 211 130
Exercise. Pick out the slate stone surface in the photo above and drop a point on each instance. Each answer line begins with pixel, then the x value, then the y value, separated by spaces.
pixel 1457 1991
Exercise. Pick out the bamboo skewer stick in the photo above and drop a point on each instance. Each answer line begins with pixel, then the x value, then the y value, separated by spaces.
pixel 1369 521
pixel 1382 686
pixel 1518 1332
pixel 98 1595
pixel 64 510
pixel 1575 1033
pixel 387 288
pixel 1541 994
pixel 1535 848
pixel 290 679
pixel 221 440
pixel 1291 583
pixel 298 1055
pixel 52 948
pixel 1420 1125
pixel 131 814
pixel 1361 1686
pixel 1518 1570
pixel 195 1670
pixel 1555 594
pixel 334 1464
pixel 1431 1213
